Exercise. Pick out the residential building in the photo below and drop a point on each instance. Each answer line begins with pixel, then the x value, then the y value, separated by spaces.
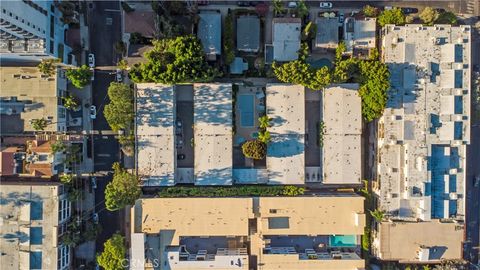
pixel 360 35
pixel 185 135
pixel 34 216
pixel 155 134
pixel 31 30
pixel 31 156
pixel 210 33
pixel 422 138
pixel 342 137
pixel 140 21
pixel 212 120
pixel 327 33
pixel 321 232
pixel 248 33
pixel 27 94
pixel 286 151
pixel 286 38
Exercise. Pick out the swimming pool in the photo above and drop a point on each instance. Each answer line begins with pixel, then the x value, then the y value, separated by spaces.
pixel 246 105
pixel 343 240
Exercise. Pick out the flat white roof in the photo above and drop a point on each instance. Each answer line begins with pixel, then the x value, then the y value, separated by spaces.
pixel 213 134
pixel 286 151
pixel 286 38
pixel 155 123
pixel 342 151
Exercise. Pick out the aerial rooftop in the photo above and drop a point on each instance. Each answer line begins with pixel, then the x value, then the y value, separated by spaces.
pixel 155 135
pixel 27 94
pixel 286 38
pixel 285 153
pixel 30 216
pixel 423 133
pixel 213 133
pixel 283 233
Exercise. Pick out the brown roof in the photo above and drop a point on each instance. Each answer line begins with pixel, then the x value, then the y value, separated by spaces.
pixel 39 169
pixel 7 162
pixel 40 146
pixel 142 22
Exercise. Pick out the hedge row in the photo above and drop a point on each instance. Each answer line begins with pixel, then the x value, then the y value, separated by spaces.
pixel 234 191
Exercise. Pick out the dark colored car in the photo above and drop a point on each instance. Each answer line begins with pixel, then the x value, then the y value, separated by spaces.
pixel 409 10
pixel 440 10
pixel 181 156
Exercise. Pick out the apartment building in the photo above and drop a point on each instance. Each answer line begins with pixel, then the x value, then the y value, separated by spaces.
pixel 320 232
pixel 422 138
pixel 192 134
pixel 31 30
pixel 26 95
pixel 34 217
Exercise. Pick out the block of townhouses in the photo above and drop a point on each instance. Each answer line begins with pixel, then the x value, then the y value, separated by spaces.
pixel 34 217
pixel 422 138
pixel 316 232
pixel 192 134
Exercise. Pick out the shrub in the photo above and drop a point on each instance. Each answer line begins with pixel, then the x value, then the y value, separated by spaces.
pixel 48 66
pixel 233 191
pixel 370 11
pixel 447 18
pixel 39 124
pixel 254 149
pixel 428 15
pixel 228 40
pixel 58 146
pixel 70 102
pixel 391 16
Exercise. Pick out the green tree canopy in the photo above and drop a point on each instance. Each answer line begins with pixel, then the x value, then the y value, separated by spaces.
pixel 429 15
pixel 119 112
pixel 264 122
pixel 391 16
pixel 370 11
pixel 39 124
pixel 374 84
pixel 264 136
pixel 228 40
pixel 58 146
pixel 48 66
pixel 302 9
pixel 254 149
pixel 70 102
pixel 122 64
pixel 79 77
pixel 299 72
pixel 123 190
pixel 114 253
pixel 173 61
pixel 447 18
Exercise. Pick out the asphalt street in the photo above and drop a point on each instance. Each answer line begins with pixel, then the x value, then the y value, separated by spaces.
pixel 104 30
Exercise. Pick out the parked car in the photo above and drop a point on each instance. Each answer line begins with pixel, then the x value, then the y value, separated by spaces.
pixel 476 181
pixel 341 18
pixel 179 142
pixel 292 4
pixel 178 123
pixel 181 156
pixel 243 3
pixel 93 181
pixel 326 5
pixel 95 218
pixel 91 60
pixel 118 75
pixel 93 112
pixel 408 10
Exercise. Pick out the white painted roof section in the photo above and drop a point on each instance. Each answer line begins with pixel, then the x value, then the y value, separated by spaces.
pixel 155 124
pixel 364 33
pixel 286 151
pixel 342 117
pixel 286 38
pixel 213 134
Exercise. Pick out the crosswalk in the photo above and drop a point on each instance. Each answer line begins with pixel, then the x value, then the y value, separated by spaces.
pixel 471 4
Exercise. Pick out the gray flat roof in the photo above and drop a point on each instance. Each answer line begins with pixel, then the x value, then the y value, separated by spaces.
pixel 327 33
pixel 210 31
pixel 248 33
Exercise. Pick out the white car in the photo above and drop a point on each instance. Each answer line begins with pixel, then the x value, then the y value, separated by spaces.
pixel 95 218
pixel 93 112
pixel 94 182
pixel 326 5
pixel 91 60
pixel 292 4
pixel 118 75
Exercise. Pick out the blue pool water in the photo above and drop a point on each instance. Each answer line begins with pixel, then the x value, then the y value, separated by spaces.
pixel 246 104
pixel 343 240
